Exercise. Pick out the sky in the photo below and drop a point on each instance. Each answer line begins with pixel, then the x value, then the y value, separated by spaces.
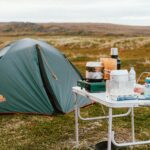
pixel 131 12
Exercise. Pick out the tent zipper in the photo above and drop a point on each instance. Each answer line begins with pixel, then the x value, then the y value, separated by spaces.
pixel 46 83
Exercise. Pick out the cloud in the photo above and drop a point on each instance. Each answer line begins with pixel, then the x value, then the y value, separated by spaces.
pixel 114 11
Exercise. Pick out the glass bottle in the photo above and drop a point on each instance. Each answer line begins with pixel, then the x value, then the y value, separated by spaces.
pixel 114 54
pixel 132 75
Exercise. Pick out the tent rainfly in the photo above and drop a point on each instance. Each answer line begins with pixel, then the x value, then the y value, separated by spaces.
pixel 36 78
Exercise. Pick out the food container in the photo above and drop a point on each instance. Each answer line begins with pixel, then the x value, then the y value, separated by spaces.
pixel 94 71
pixel 119 75
pixel 115 89
pixel 119 87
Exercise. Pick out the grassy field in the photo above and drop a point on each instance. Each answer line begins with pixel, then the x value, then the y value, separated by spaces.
pixel 21 132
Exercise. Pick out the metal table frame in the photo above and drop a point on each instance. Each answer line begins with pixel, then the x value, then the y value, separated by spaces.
pixel 110 104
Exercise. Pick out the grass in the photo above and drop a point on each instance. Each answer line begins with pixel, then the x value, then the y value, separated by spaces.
pixel 33 132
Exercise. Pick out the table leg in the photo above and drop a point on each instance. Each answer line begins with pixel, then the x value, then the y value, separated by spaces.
pixel 109 129
pixel 76 122
pixel 132 123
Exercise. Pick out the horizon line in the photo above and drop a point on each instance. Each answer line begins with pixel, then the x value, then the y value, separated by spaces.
pixel 75 22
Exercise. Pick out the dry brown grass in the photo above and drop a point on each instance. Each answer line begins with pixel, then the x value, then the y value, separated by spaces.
pixel 23 132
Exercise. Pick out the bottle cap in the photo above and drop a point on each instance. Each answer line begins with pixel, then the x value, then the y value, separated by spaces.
pixel 132 67
pixel 114 51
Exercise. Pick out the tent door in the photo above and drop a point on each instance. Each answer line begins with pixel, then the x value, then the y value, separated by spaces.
pixel 46 83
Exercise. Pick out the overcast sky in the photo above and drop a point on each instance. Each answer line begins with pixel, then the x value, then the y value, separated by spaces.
pixel 133 12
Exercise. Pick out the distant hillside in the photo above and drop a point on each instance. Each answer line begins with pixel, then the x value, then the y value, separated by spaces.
pixel 21 28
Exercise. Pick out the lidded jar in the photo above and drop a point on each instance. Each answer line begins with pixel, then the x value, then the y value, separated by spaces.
pixel 94 71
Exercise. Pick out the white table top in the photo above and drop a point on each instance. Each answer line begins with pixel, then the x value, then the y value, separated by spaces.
pixel 102 99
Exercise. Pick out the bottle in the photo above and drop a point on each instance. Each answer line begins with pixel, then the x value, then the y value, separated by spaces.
pixel 132 75
pixel 147 87
pixel 114 54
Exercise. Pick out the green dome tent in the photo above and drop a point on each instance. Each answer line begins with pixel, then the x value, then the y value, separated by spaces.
pixel 36 78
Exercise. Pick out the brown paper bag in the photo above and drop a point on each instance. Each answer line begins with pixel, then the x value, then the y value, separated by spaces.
pixel 109 65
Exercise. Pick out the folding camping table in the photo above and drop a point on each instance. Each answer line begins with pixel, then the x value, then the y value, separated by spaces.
pixel 102 99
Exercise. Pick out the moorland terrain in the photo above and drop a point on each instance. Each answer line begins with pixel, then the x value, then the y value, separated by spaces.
pixel 81 43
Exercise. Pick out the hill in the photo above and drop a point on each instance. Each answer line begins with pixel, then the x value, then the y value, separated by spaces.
pixel 100 29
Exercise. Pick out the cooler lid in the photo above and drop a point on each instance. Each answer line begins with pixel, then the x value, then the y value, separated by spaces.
pixel 118 72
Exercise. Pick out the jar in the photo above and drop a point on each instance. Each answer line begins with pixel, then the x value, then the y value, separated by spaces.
pixel 94 71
